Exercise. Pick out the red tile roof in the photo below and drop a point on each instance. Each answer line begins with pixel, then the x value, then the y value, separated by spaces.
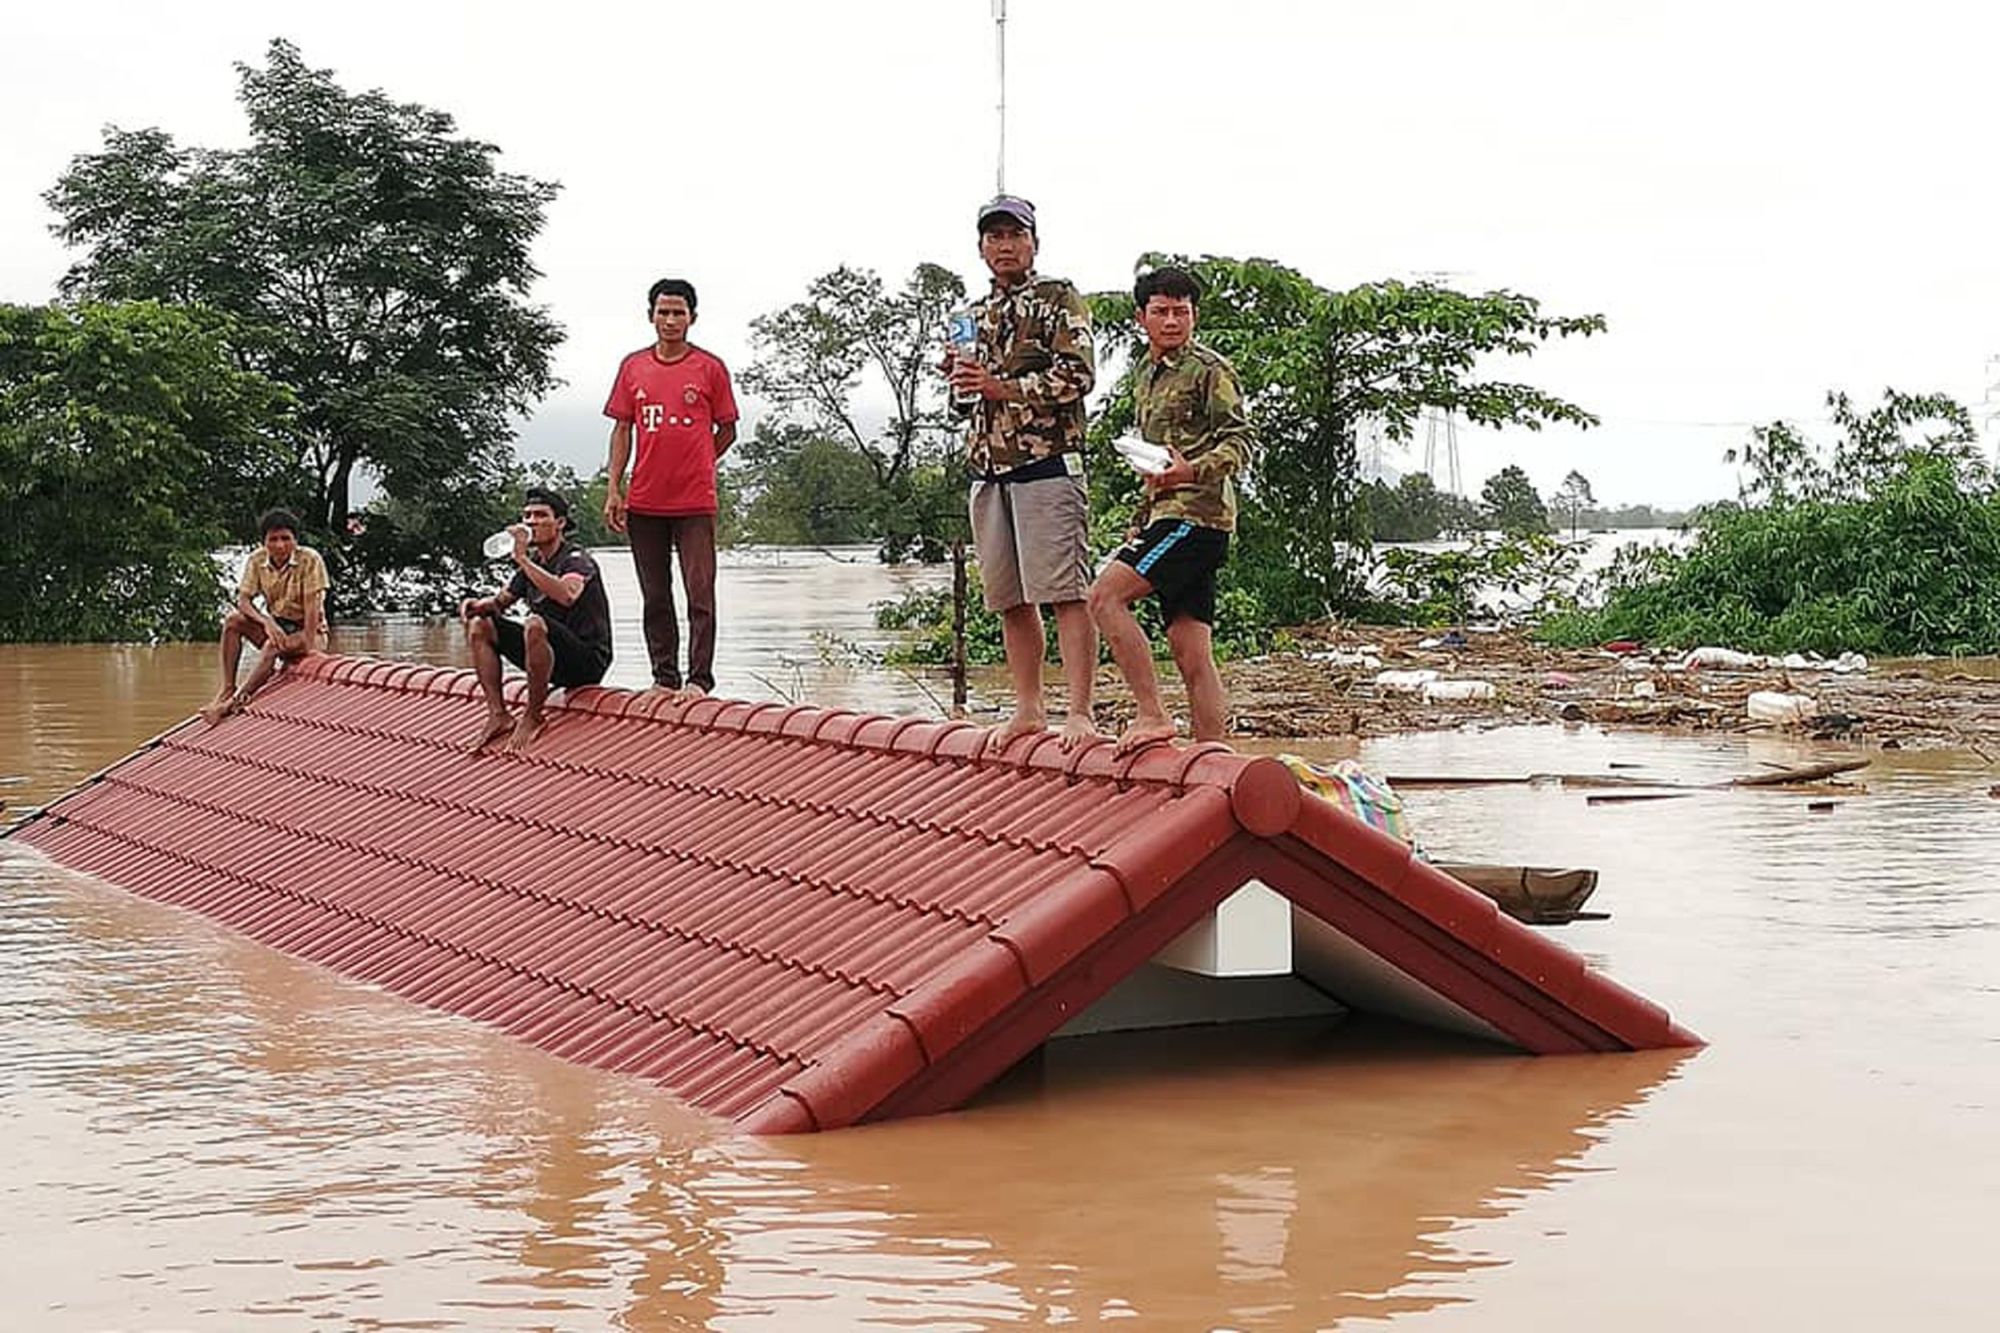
pixel 790 917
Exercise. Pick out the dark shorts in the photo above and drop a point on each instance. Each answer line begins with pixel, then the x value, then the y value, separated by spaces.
pixel 289 626
pixel 1179 559
pixel 577 662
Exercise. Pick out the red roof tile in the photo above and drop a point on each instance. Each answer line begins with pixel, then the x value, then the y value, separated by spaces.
pixel 791 917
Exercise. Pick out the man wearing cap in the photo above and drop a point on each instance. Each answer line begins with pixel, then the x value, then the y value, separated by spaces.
pixel 1033 366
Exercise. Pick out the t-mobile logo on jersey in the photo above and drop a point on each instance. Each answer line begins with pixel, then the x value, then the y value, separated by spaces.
pixel 651 414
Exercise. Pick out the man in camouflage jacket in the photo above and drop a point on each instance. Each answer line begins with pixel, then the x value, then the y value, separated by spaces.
pixel 1032 367
pixel 1187 399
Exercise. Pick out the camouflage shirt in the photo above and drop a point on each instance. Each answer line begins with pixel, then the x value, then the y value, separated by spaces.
pixel 1037 335
pixel 1190 400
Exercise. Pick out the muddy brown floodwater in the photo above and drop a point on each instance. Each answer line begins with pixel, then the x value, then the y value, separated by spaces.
pixel 200 1133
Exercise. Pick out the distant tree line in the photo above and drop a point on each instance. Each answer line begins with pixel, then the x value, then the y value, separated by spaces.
pixel 341 306
pixel 341 300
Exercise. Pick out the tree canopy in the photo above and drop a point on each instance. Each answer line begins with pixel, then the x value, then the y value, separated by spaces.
pixel 371 259
pixel 851 354
pixel 1887 541
pixel 126 432
pixel 1573 497
pixel 1317 362
pixel 1513 504
pixel 1415 510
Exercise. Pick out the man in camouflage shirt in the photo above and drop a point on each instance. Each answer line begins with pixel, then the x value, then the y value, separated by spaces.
pixel 1187 399
pixel 1033 366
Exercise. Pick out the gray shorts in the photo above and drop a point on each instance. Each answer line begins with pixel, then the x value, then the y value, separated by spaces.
pixel 1033 539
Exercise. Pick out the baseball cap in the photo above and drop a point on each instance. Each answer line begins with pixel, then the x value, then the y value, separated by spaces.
pixel 1010 206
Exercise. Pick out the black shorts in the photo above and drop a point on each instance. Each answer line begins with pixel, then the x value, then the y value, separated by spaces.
pixel 1179 559
pixel 289 626
pixel 577 662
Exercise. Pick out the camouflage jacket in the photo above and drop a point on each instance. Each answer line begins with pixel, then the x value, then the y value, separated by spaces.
pixel 1190 400
pixel 1038 336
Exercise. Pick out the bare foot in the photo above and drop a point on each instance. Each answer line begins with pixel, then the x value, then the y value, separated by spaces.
pixel 223 706
pixel 657 688
pixel 1077 730
pixel 525 731
pixel 1015 727
pixel 690 693
pixel 1144 732
pixel 497 725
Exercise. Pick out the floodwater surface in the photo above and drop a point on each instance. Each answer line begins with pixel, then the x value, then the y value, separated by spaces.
pixel 200 1133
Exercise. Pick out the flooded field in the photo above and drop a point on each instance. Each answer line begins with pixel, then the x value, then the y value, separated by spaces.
pixel 204 1134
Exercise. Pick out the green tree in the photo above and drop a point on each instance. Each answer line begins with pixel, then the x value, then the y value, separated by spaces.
pixel 1888 542
pixel 808 489
pixel 1415 510
pixel 129 441
pixel 828 361
pixel 1315 363
pixel 1512 503
pixel 374 260
pixel 1573 497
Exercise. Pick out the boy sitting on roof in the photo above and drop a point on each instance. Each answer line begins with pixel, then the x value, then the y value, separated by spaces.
pixel 291 581
pixel 565 640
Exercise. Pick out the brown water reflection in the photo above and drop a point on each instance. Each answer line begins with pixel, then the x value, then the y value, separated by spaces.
pixel 202 1130
pixel 203 1134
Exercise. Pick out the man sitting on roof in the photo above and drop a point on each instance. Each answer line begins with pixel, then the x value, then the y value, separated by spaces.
pixel 565 640
pixel 290 580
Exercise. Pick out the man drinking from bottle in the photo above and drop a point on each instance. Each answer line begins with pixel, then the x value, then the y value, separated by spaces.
pixel 564 640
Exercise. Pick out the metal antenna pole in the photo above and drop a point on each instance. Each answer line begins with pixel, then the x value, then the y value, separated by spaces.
pixel 1000 59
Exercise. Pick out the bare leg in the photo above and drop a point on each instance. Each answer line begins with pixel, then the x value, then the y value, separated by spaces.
pixel 1076 636
pixel 236 627
pixel 1194 654
pixel 486 665
pixel 267 662
pixel 1111 599
pixel 541 662
pixel 1021 632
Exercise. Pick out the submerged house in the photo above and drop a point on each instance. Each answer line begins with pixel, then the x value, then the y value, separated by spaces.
pixel 800 919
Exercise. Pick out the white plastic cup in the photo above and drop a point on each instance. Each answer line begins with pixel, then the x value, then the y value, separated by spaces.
pixel 1144 456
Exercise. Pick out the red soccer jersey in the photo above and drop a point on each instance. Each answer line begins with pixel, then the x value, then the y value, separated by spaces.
pixel 674 408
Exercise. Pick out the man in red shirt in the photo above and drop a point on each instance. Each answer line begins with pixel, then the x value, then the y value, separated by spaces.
pixel 674 418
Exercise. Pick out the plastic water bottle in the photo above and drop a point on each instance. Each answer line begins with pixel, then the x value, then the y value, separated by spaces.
pixel 962 334
pixel 500 545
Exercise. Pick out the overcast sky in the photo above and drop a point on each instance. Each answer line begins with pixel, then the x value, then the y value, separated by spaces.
pixel 1765 200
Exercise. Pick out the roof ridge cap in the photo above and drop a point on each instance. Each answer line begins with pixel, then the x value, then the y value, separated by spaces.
pixel 1265 794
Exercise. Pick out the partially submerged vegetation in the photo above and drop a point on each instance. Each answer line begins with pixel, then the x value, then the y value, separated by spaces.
pixel 1888 543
